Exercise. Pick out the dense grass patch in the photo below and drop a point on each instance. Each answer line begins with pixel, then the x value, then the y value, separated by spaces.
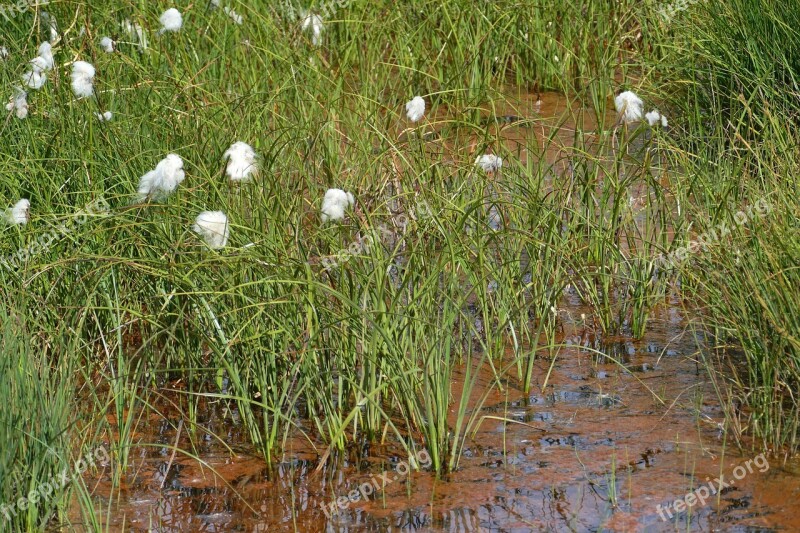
pixel 731 70
pixel 351 333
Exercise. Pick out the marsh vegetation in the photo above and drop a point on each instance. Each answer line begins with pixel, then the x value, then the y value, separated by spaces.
pixel 253 267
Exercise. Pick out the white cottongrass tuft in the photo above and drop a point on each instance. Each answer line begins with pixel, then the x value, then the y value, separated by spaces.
pixel 213 227
pixel 654 117
pixel 135 31
pixel 34 78
pixel 241 162
pixel 313 22
pixel 489 162
pixel 19 103
pixel 82 79
pixel 415 109
pixel 629 107
pixel 3 52
pixel 39 64
pixel 163 180
pixel 104 117
pixel 50 21
pixel 107 44
pixel 171 20
pixel 335 203
pixel 46 56
pixel 234 16
pixel 19 213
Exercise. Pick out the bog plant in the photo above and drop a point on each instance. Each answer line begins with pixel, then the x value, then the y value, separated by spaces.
pixel 263 240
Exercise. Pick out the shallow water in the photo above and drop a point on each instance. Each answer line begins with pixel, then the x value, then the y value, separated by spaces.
pixel 602 454
pixel 599 448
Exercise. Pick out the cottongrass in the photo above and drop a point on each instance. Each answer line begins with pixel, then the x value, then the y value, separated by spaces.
pixel 163 180
pixel 50 21
pixel 489 162
pixel 3 52
pixel 35 78
pixel 213 227
pixel 45 57
pixel 107 44
pixel 105 116
pixel 241 162
pixel 630 107
pixel 654 118
pixel 19 103
pixel 335 203
pixel 313 22
pixel 415 109
pixel 82 79
pixel 18 214
pixel 171 20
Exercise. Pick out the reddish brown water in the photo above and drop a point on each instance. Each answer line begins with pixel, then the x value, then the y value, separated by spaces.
pixel 606 453
pixel 599 448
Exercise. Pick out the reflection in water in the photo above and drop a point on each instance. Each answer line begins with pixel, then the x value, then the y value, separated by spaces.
pixel 596 466
pixel 601 454
pixel 593 450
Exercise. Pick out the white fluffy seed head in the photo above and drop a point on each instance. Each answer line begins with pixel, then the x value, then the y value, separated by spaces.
pixel 654 117
pixel 489 162
pixel 46 56
pixel 39 64
pixel 335 203
pixel 171 20
pixel 163 180
pixel 242 164
pixel 107 44
pixel 172 173
pixel 49 21
pixel 34 79
pixel 213 227
pixel 104 117
pixel 82 69
pixel 18 214
pixel 415 109
pixel 629 107
pixel 82 79
pixel 313 22
pixel 3 52
pixel 19 103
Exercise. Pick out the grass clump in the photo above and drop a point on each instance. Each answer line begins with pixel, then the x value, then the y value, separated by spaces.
pixel 732 72
pixel 441 275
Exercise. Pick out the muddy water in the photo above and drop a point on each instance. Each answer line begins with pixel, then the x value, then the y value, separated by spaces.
pixel 551 121
pixel 602 447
